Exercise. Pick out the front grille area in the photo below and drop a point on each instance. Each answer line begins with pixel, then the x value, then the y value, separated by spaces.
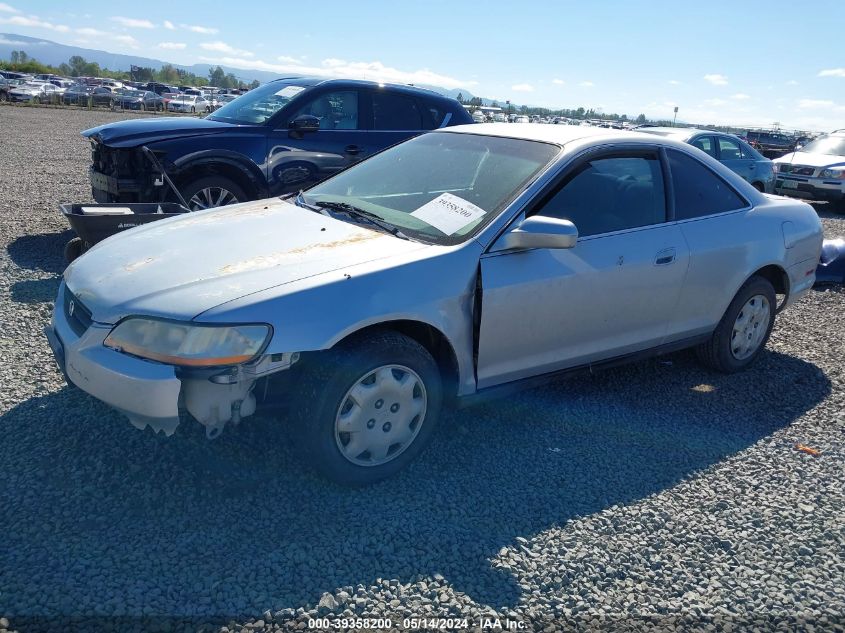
pixel 803 170
pixel 117 162
pixel 79 317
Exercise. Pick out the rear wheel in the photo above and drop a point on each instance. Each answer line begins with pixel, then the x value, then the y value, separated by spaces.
pixel 36 100
pixel 212 191
pixel 758 186
pixel 368 408
pixel 744 329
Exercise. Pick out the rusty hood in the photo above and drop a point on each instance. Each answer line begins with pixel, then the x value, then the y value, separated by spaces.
pixel 181 267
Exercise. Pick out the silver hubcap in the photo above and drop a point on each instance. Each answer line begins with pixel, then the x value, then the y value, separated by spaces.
pixel 211 197
pixel 750 327
pixel 380 415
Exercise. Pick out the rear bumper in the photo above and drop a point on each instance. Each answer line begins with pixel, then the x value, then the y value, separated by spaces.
pixel 802 276
pixel 146 392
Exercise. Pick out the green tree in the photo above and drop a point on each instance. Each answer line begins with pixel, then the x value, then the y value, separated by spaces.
pixel 460 97
pixel 641 119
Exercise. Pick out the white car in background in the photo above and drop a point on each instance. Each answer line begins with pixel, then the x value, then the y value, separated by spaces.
pixel 815 172
pixel 188 103
pixel 34 92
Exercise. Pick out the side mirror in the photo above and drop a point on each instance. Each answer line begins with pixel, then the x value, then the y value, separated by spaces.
pixel 539 232
pixel 305 123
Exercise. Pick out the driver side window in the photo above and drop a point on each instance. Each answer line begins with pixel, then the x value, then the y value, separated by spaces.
pixel 336 110
pixel 610 193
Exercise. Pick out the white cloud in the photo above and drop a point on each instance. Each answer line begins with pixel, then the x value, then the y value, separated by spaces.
pixel 522 88
pixel 586 84
pixel 133 23
pixel 289 60
pixel 716 80
pixel 169 25
pixel 811 104
pixel 715 102
pixel 373 71
pixel 205 30
pixel 559 82
pixel 5 8
pixel 173 46
pixel 674 82
pixel 34 22
pixel 223 47
pixel 128 40
pixel 833 72
pixel 791 82
pixel 740 96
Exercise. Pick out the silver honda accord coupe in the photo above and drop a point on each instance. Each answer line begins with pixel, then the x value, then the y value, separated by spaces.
pixel 450 266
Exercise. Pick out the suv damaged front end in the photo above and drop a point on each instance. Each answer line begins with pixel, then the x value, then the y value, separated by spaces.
pixel 122 174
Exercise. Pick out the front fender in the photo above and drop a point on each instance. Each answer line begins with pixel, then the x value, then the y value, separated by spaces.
pixel 231 159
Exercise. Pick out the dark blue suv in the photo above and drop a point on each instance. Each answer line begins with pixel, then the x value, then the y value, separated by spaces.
pixel 281 137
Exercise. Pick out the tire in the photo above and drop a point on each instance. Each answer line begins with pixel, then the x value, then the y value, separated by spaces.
pixel 4 97
pixel 758 186
pixel 112 104
pixel 379 367
pixel 36 100
pixel 159 107
pixel 208 192
pixel 73 249
pixel 735 345
pixel 193 110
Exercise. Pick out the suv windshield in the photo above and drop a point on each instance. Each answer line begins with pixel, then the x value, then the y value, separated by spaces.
pixel 258 105
pixel 441 187
pixel 832 145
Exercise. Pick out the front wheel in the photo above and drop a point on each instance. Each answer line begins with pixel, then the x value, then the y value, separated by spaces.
pixel 744 329
pixel 212 191
pixel 368 408
pixel 36 100
pixel 193 110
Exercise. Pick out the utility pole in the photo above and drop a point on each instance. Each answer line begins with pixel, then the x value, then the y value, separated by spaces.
pixel 675 118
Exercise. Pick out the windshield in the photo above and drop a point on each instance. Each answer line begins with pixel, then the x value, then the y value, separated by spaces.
pixel 832 145
pixel 258 105
pixel 440 187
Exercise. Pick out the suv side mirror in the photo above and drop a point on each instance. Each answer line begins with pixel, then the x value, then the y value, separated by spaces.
pixel 305 123
pixel 539 232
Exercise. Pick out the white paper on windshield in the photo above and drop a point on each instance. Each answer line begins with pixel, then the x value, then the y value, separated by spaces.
pixel 290 91
pixel 449 213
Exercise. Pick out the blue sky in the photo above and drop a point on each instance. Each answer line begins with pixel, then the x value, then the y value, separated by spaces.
pixel 746 62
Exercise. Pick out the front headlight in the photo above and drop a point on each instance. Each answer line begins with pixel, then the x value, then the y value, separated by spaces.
pixel 837 173
pixel 189 344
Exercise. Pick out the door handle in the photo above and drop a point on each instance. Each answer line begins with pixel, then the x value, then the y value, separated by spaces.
pixel 664 257
pixel 752 166
pixel 352 149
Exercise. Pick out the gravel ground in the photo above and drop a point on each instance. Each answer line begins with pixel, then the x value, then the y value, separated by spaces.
pixel 654 496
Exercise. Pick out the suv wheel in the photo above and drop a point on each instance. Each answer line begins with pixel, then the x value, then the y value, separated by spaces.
pixel 368 408
pixel 744 329
pixel 212 191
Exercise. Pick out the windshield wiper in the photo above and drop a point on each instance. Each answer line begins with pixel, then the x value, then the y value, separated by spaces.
pixel 352 210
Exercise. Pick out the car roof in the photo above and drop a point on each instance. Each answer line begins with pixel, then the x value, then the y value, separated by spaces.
pixel 680 132
pixel 560 134
pixel 362 83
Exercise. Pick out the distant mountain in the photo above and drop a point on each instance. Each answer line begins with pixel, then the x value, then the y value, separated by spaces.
pixel 53 53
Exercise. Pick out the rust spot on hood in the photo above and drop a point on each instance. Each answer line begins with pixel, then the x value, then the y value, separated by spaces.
pixel 221 214
pixel 275 259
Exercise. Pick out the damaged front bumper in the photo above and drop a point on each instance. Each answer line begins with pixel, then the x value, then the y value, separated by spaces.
pixel 147 392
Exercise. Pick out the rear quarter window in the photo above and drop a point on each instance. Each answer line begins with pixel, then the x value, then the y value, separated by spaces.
pixel 699 191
